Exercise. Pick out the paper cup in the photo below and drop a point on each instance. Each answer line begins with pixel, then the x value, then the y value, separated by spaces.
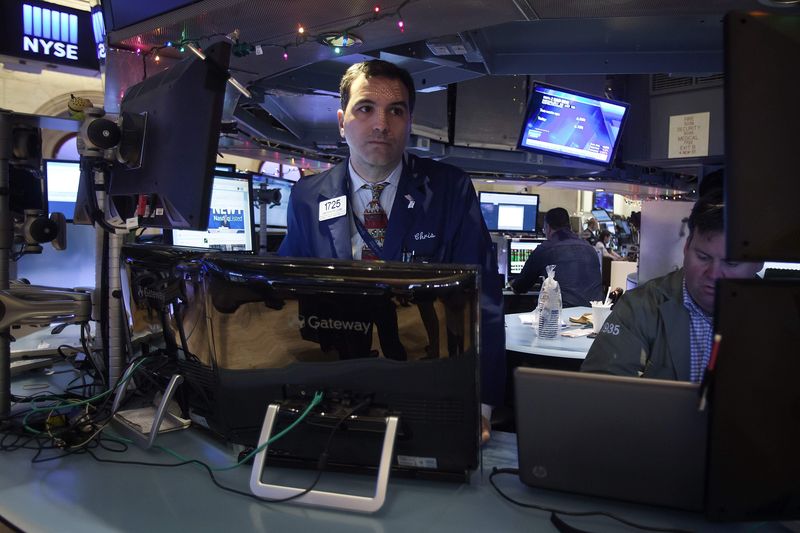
pixel 599 315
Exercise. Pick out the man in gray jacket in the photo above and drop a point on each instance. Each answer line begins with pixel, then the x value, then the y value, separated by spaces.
pixel 664 329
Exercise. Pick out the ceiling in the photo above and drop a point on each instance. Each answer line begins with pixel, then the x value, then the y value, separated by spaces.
pixel 479 52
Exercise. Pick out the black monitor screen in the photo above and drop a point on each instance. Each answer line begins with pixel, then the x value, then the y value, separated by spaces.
pixel 518 253
pixel 276 213
pixel 761 96
pixel 571 124
pixel 230 217
pixel 509 212
pixel 758 427
pixel 63 178
pixel 170 126
pixel 401 339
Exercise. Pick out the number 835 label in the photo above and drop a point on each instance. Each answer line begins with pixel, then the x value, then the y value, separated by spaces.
pixel 611 329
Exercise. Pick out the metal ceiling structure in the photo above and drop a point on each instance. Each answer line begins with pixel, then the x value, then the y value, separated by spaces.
pixel 472 62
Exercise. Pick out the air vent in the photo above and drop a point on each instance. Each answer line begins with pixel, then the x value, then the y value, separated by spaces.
pixel 711 80
pixel 666 83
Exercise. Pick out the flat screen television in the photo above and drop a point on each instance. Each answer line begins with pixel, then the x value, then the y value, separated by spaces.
pixel 604 200
pixel 509 212
pixel 170 125
pixel 62 178
pixel 402 338
pixel 276 213
pixel 566 123
pixel 230 217
pixel 518 253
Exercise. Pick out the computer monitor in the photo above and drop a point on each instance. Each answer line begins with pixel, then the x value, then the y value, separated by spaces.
pixel 609 226
pixel 509 212
pixel 402 338
pixel 601 215
pixel 518 253
pixel 170 126
pixel 574 125
pixel 62 178
pixel 753 464
pixel 276 213
pixel 230 217
pixel 761 96
pixel 604 200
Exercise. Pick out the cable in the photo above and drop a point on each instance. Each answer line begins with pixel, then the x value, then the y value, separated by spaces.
pixel 314 402
pixel 497 471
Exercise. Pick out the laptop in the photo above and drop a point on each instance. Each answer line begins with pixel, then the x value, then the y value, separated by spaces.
pixel 634 439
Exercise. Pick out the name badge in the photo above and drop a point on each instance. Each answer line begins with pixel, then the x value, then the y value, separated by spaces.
pixel 333 208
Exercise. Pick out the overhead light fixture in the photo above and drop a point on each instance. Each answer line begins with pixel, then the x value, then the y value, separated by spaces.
pixel 432 89
pixel 340 40
pixel 780 3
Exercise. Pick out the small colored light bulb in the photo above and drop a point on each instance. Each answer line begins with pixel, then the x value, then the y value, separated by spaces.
pixel 285 56
pixel 377 9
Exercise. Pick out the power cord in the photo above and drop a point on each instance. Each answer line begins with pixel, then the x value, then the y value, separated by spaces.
pixel 556 520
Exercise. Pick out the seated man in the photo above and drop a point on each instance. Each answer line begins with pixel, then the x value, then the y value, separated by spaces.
pixel 664 329
pixel 577 265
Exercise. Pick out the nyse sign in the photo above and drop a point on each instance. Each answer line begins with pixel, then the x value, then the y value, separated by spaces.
pixel 38 45
pixel 50 33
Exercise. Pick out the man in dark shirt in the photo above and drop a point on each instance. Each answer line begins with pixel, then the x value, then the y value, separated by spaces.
pixel 577 263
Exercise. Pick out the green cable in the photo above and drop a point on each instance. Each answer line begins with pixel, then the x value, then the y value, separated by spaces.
pixel 314 402
pixel 70 403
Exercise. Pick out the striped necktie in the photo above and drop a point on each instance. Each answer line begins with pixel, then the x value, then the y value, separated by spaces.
pixel 375 220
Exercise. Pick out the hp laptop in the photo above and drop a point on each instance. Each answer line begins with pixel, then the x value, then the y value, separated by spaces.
pixel 632 439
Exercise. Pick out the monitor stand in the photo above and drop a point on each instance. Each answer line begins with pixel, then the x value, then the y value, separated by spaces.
pixel 347 502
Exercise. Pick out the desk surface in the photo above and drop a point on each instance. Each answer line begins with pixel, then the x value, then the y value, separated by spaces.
pixel 77 493
pixel 522 338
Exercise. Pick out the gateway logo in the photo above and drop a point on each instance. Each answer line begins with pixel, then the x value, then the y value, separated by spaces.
pixel 49 32
pixel 315 322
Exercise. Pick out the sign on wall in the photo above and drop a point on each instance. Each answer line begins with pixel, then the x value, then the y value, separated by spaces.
pixel 688 135
pixel 48 33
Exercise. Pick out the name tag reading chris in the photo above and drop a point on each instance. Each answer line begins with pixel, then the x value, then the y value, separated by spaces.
pixel 333 208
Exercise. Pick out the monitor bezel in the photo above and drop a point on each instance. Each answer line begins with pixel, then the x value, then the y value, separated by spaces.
pixel 535 100
pixel 534 231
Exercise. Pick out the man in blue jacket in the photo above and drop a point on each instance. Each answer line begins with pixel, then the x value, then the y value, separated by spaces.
pixel 432 209
pixel 577 263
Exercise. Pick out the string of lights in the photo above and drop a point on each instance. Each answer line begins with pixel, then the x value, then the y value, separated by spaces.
pixel 336 40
